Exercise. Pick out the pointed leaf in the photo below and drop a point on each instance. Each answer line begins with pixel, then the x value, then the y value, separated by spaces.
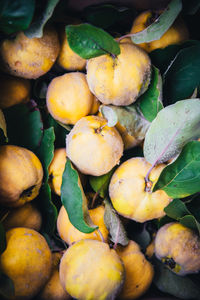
pixel 24 126
pixel 89 41
pixel 176 83
pixel 16 15
pixel 74 201
pixel 109 114
pixel 150 103
pixel 174 126
pixel 182 178
pixel 36 28
pixel 100 183
pixel 3 123
pixel 7 289
pixel 160 25
pixel 114 225
pixel 179 286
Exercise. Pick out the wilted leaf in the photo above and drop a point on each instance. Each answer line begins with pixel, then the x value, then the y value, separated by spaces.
pixel 109 114
pixel 179 286
pixel 89 41
pixel 177 86
pixel 150 103
pixel 182 178
pixel 100 183
pixel 36 28
pixel 3 123
pixel 7 289
pixel 174 126
pixel 114 225
pixel 160 25
pixel 24 126
pixel 72 197
pixel 16 15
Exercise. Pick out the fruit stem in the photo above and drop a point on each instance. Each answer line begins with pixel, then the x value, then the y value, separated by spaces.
pixel 148 182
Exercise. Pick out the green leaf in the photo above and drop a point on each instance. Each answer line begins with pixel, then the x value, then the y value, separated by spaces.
pixel 174 126
pixel 45 153
pixel 109 114
pixel 3 124
pixel 36 28
pixel 89 41
pixel 142 238
pixel 160 25
pixel 24 126
pixel 72 197
pixel 150 103
pixel 178 210
pixel 7 289
pixel 176 83
pixel 179 286
pixel 2 239
pixel 16 15
pixel 100 183
pixel 182 178
pixel 114 225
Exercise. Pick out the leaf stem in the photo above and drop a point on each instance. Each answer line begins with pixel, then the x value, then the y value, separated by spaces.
pixel 94 198
pixel 117 236
pixel 101 235
pixel 129 35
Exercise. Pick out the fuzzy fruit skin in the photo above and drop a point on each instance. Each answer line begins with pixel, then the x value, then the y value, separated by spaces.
pixel 69 98
pixel 24 216
pixel 89 270
pixel 177 242
pixel 20 170
pixel 30 58
pixel 56 170
pixel 119 80
pixel 53 289
pixel 27 260
pixel 128 195
pixel 139 271
pixel 176 34
pixel 13 91
pixel 94 147
pixel 70 234
pixel 67 58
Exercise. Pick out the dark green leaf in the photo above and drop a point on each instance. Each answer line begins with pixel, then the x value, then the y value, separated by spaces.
pixel 48 209
pixel 160 25
pixel 16 15
pixel 190 222
pixel 150 103
pixel 3 123
pixel 72 197
pixel 89 41
pixel 182 178
pixel 174 126
pixel 142 237
pixel 100 183
pixel 179 286
pixel 45 152
pixel 2 239
pixel 183 75
pixel 7 289
pixel 36 28
pixel 24 126
pixel 114 225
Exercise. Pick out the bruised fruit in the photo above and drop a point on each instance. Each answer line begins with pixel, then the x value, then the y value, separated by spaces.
pixel 139 271
pixel 70 234
pixel 94 147
pixel 24 216
pixel 21 175
pixel 179 248
pixel 13 91
pixel 30 58
pixel 89 269
pixel 69 98
pixel 27 261
pixel 119 80
pixel 176 34
pixel 67 58
pixel 130 195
